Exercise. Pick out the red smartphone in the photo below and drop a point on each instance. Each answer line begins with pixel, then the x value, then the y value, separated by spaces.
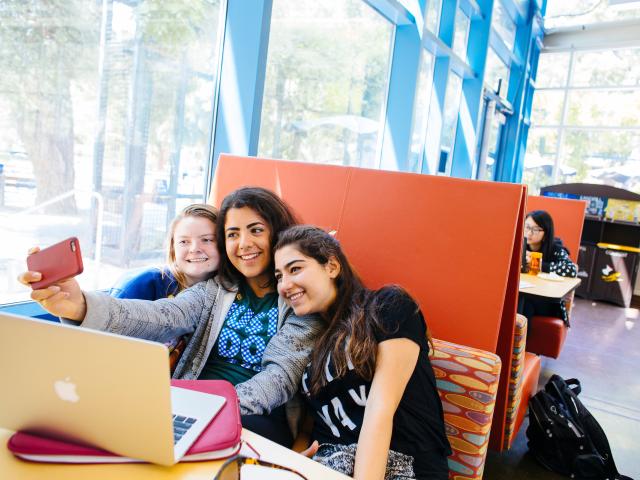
pixel 56 263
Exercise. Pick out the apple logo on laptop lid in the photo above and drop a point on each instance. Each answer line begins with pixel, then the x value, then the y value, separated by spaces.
pixel 66 390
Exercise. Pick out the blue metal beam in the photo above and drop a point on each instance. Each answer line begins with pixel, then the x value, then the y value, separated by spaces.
pixel 469 121
pixel 396 141
pixel 440 77
pixel 436 113
pixel 242 74
pixel 520 93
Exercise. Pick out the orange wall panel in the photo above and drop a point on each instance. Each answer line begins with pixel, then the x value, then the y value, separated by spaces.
pixel 315 192
pixel 448 241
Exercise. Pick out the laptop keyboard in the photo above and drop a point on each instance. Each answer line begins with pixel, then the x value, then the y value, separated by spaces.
pixel 181 425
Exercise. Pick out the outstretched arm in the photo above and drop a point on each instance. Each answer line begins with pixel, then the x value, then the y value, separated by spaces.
pixel 395 363
pixel 161 320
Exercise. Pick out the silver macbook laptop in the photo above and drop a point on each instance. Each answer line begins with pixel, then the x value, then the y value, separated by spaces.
pixel 97 388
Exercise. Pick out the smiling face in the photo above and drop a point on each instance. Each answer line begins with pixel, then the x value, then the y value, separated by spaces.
pixel 194 243
pixel 305 284
pixel 248 246
pixel 534 234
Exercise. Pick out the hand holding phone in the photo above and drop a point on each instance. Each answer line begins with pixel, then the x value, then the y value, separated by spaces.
pixel 56 263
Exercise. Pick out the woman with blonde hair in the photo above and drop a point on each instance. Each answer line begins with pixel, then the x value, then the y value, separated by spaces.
pixel 192 257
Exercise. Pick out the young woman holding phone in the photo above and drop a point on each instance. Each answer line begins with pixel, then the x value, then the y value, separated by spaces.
pixel 369 384
pixel 239 330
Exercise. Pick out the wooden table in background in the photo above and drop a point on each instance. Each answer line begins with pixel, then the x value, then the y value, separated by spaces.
pixel 11 468
pixel 556 288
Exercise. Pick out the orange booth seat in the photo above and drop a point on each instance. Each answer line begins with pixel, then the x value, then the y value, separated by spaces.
pixel 421 231
pixel 547 334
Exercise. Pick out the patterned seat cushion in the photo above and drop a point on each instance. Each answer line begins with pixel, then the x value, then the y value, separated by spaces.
pixel 467 381
pixel 515 379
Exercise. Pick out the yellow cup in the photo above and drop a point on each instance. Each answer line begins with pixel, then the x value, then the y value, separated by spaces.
pixel 536 263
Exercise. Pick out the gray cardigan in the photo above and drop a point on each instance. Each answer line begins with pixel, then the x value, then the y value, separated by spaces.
pixel 200 311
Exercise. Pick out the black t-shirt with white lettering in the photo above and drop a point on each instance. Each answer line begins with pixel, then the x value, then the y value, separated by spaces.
pixel 418 424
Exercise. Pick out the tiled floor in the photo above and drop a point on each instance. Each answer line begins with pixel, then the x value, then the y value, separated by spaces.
pixel 603 351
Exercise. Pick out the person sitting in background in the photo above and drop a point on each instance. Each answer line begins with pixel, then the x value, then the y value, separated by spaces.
pixel 539 236
pixel 369 384
pixel 192 257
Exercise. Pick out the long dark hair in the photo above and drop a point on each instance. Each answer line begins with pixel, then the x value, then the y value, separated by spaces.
pixel 352 319
pixel 275 212
pixel 545 222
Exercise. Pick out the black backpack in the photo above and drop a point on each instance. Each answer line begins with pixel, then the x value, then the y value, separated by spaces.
pixel 564 437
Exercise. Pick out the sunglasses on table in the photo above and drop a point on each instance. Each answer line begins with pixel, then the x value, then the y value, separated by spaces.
pixel 233 468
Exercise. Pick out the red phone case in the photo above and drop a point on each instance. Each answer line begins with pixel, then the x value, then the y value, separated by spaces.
pixel 57 262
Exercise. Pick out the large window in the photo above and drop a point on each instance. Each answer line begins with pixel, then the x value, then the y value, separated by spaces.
pixel 105 132
pixel 503 24
pixel 326 82
pixel 496 76
pixel 432 15
pixel 461 34
pixel 585 123
pixel 565 13
pixel 449 121
pixel 421 111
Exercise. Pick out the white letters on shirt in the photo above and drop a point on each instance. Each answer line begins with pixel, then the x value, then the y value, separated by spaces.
pixel 361 398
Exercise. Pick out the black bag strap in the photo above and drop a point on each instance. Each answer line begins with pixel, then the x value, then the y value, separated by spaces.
pixel 574 385
pixel 562 392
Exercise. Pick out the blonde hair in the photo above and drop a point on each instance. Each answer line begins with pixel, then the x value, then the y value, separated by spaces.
pixel 195 210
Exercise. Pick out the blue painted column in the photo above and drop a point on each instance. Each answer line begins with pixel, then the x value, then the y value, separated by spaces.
pixel 515 129
pixel 396 141
pixel 242 74
pixel 440 77
pixel 469 123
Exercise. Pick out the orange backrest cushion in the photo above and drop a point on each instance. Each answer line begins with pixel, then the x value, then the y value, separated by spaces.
pixel 568 219
pixel 448 241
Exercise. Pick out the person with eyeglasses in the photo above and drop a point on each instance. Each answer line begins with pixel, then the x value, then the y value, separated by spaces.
pixel 540 237
pixel 369 385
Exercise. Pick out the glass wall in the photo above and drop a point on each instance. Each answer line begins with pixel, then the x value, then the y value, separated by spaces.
pixel 326 82
pixel 432 16
pixel 449 121
pixel 421 110
pixel 566 13
pixel 110 108
pixel 461 34
pixel 503 24
pixel 585 123
pixel 496 76
pixel 107 112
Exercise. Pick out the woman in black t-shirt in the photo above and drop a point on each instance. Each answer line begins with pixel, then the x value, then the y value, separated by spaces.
pixel 370 385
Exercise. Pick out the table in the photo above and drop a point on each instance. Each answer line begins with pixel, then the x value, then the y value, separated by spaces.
pixel 553 289
pixel 13 468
